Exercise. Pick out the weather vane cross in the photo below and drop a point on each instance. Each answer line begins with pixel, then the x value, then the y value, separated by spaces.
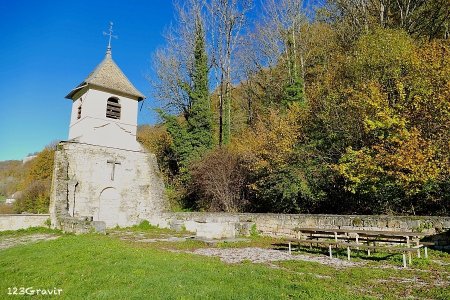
pixel 110 34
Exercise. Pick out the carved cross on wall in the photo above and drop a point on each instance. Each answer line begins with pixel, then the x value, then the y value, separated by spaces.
pixel 114 163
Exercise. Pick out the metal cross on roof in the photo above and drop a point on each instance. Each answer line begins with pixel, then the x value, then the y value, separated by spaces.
pixel 110 34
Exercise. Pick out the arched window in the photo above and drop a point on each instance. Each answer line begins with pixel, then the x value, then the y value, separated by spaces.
pixel 113 108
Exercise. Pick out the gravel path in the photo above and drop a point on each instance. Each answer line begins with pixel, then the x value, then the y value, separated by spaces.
pixel 26 239
pixel 260 255
pixel 237 255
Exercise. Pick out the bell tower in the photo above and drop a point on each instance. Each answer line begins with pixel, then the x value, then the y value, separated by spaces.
pixel 105 106
pixel 102 177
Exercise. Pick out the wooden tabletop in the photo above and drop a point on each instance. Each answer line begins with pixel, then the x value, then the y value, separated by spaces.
pixel 362 232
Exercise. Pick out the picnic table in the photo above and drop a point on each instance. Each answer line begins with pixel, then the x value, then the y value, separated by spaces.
pixel 407 242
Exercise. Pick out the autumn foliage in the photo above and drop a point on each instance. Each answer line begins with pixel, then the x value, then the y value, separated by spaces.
pixel 339 108
pixel 36 183
pixel 346 111
pixel 31 182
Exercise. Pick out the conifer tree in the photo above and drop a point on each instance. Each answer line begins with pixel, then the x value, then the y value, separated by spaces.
pixel 193 137
pixel 200 115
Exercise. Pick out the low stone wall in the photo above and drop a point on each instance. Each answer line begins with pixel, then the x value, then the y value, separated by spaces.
pixel 15 222
pixel 81 225
pixel 224 225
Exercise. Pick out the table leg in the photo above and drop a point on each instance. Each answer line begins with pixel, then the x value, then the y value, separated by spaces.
pixel 310 244
pixel 409 253
pixel 329 249
pixel 348 253
pixel 404 260
pixel 357 241
pixel 418 249
pixel 426 252
pixel 290 248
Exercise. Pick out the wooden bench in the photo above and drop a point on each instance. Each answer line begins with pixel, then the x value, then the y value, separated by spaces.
pixel 425 248
pixel 351 245
pixel 310 242
pixel 402 250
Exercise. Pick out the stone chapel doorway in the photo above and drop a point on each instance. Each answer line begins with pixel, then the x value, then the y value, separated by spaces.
pixel 109 207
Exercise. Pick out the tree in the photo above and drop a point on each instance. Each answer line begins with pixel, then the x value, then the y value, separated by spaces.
pixel 11 172
pixel 419 18
pixel 200 124
pixel 174 63
pixel 279 180
pixel 288 17
pixel 193 136
pixel 227 18
pixel 395 166
pixel 36 183
pixel 157 140
pixel 279 42
pixel 398 166
pixel 346 110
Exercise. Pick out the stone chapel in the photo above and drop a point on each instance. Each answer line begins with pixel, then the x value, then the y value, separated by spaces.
pixel 102 176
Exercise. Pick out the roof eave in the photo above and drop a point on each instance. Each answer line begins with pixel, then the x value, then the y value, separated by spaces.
pixel 138 97
pixel 75 91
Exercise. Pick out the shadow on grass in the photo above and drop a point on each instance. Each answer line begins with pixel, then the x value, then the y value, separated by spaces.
pixel 440 240
pixel 339 252
pixel 280 246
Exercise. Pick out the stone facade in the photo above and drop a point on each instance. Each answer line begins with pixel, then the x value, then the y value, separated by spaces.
pixel 93 184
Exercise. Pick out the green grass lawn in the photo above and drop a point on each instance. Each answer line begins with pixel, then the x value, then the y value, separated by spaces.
pixel 106 267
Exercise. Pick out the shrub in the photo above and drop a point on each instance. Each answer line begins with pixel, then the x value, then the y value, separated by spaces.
pixel 220 181
pixel 35 199
pixel 6 209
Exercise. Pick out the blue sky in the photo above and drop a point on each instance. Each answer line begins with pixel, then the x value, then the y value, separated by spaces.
pixel 49 47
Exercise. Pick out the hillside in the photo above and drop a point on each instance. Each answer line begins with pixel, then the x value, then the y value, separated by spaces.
pixel 344 110
pixel 32 179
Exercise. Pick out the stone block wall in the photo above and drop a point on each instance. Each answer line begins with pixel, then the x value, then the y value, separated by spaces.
pixel 222 225
pixel 16 222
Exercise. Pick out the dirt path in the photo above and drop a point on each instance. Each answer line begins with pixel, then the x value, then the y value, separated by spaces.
pixel 237 255
pixel 12 241
pixel 261 255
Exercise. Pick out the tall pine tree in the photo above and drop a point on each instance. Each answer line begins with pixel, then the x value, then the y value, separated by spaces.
pixel 200 117
pixel 192 138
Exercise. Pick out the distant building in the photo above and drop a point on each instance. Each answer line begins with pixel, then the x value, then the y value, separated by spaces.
pixel 13 198
pixel 10 200
pixel 28 158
